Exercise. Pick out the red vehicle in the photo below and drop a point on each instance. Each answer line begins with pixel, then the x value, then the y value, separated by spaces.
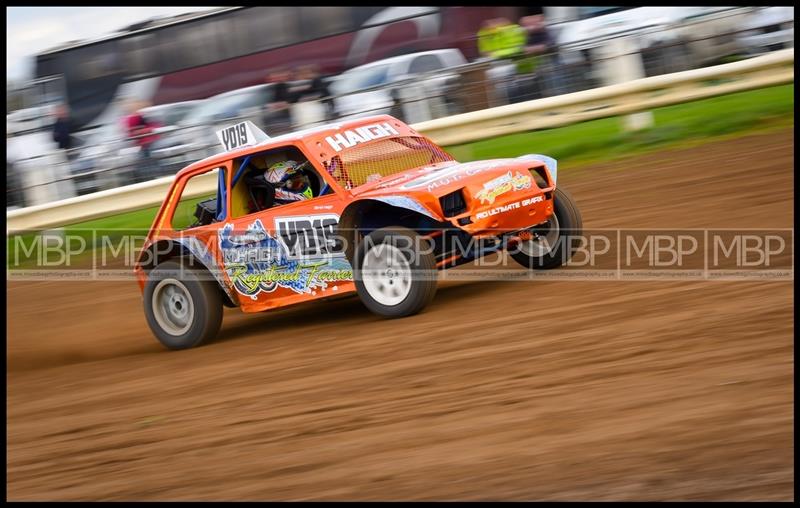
pixel 384 208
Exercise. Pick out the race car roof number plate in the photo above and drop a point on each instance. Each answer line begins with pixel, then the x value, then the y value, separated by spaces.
pixel 241 134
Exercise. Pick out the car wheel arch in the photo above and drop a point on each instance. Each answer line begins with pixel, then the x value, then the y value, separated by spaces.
pixel 366 215
pixel 170 249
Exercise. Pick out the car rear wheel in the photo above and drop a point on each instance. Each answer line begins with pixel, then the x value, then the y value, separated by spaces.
pixel 395 273
pixel 553 242
pixel 182 307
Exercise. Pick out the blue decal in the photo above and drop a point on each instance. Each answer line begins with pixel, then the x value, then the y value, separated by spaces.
pixel 256 262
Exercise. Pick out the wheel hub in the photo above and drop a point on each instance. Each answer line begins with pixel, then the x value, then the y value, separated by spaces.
pixel 178 305
pixel 386 274
pixel 543 238
pixel 172 306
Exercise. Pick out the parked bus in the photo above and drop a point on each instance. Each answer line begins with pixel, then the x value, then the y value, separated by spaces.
pixel 199 55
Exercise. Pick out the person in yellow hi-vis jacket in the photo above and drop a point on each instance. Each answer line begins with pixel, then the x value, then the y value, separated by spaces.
pixel 501 40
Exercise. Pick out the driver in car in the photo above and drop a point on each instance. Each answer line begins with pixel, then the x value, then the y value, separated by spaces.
pixel 290 182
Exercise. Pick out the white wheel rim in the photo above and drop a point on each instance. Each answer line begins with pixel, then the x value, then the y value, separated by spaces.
pixel 386 274
pixel 544 238
pixel 173 307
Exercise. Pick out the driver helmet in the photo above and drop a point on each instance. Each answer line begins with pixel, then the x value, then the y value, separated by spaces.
pixel 290 183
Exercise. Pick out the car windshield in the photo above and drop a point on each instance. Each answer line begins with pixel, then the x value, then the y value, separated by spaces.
pixel 373 160
pixel 226 105
pixel 360 78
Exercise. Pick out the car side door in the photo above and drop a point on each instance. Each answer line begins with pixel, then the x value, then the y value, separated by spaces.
pixel 288 253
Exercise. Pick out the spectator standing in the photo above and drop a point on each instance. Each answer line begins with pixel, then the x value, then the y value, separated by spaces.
pixel 538 39
pixel 558 76
pixel 397 105
pixel 502 41
pixel 14 194
pixel 499 38
pixel 62 131
pixel 541 55
pixel 277 117
pixel 310 87
pixel 141 133
pixel 486 38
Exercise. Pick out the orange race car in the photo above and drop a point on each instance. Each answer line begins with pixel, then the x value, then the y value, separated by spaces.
pixel 368 206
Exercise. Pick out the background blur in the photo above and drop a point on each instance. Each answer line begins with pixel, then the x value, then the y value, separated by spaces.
pixel 145 100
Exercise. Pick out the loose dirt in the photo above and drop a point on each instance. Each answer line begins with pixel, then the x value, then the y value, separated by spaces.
pixel 514 390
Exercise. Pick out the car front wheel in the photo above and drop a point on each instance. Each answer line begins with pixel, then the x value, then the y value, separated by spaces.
pixel 395 272
pixel 553 242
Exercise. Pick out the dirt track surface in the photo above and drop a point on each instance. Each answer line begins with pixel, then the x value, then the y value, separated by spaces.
pixel 565 390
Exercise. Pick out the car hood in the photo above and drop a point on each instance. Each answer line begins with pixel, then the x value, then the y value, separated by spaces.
pixel 436 180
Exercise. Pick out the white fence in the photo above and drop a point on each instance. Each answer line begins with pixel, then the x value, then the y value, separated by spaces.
pixel 639 95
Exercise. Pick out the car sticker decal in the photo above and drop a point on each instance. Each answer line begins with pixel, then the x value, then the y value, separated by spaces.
pixel 200 251
pixel 257 262
pixel 502 184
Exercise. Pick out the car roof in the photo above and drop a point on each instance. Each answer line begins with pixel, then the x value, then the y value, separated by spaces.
pixel 306 136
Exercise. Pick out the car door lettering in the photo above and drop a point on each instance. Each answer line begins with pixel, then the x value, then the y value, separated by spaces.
pixel 309 236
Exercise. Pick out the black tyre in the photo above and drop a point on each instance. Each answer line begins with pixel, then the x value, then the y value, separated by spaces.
pixel 394 277
pixel 182 308
pixel 554 241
